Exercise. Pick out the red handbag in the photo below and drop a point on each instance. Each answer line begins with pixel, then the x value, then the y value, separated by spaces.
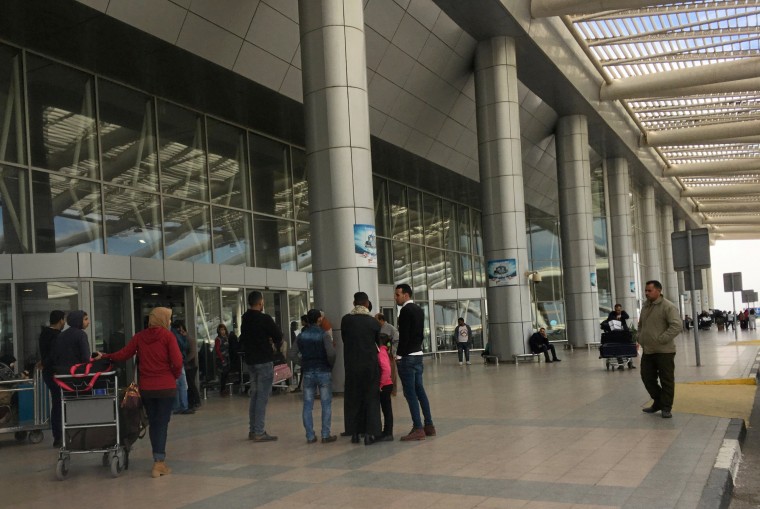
pixel 282 372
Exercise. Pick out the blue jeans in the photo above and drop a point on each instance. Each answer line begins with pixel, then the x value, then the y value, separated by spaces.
pixel 463 347
pixel 262 376
pixel 410 373
pixel 159 412
pixel 311 381
pixel 180 400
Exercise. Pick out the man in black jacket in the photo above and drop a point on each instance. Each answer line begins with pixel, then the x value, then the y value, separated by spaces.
pixel 539 343
pixel 258 335
pixel 46 342
pixel 411 324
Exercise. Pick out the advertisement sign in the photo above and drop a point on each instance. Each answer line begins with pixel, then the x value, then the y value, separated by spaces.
pixel 502 272
pixel 365 245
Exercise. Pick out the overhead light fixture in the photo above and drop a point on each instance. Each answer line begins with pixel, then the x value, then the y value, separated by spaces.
pixel 155 294
pixel 141 241
pixel 138 287
pixel 27 290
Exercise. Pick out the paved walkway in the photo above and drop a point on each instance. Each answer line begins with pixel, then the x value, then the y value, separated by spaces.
pixel 563 435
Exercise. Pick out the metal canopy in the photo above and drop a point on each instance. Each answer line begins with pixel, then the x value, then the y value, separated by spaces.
pixel 689 74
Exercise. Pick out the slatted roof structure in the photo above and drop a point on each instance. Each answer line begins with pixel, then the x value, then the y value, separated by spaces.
pixel 689 75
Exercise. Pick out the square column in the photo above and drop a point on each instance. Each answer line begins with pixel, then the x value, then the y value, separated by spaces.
pixel 503 199
pixel 621 238
pixel 577 231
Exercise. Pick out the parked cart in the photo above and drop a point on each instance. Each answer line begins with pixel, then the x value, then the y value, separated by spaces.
pixel 90 417
pixel 24 405
pixel 618 349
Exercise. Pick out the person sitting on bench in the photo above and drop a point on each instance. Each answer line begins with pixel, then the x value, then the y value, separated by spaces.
pixel 540 344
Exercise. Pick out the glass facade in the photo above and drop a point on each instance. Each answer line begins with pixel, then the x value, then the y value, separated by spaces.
pixel 601 243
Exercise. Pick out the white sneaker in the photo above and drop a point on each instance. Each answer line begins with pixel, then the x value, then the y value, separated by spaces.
pixel 468 363
pixel 460 363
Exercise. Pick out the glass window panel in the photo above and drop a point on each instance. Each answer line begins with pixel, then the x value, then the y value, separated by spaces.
pixel 402 263
pixel 127 136
pixel 270 176
pixel 471 311
pixel 600 237
pixel 12 130
pixel 454 276
pixel 187 234
pixel 112 310
pixel 208 315
pixel 275 243
pixel 449 226
pixel 303 245
pixel 133 223
pixel 544 238
pixel 298 305
pixel 426 331
pixel 384 262
pixel 419 275
pixel 232 237
pixel 15 219
pixel 181 152
pixel 477 238
pixel 432 220
pixel 468 270
pixel 551 315
pixel 399 215
pixel 415 216
pixel 6 322
pixel 382 217
pixel 227 168
pixel 300 185
pixel 480 271
pixel 233 308
pixel 604 288
pixel 62 126
pixel 67 214
pixel 446 314
pixel 463 216
pixel 436 269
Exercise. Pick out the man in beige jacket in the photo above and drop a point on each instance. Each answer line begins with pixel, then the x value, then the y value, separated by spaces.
pixel 659 324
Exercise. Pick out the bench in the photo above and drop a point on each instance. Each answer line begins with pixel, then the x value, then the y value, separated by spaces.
pixel 593 344
pixel 487 358
pixel 565 343
pixel 526 356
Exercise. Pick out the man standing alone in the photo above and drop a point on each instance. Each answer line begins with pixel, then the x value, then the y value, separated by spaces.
pixel 258 333
pixel 463 336
pixel 659 324
pixel 411 323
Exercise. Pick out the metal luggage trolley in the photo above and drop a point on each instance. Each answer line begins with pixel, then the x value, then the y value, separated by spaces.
pixel 618 349
pixel 30 416
pixel 93 410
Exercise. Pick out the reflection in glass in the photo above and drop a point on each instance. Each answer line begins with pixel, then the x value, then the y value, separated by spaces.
pixel 208 315
pixel 432 220
pixel 67 214
pixel 231 232
pixel 419 276
pixel 6 321
pixel 543 234
pixel 415 216
pixel 399 212
pixel 426 332
pixel 463 215
pixel 300 184
pixel 232 309
pixel 446 315
pixel 298 305
pixel 471 311
pixel 127 136
pixel 384 262
pixel 181 152
pixel 468 270
pixel 382 217
pixel 227 166
pixel 303 246
pixel 402 263
pixel 436 269
pixel 454 275
pixel 112 309
pixel 275 243
pixel 271 184
pixel 62 126
pixel 12 130
pixel 133 223
pixel 449 226
pixel 186 231
pixel 480 271
pixel 477 238
pixel 15 219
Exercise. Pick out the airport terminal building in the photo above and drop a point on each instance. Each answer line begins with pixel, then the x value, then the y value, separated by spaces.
pixel 186 152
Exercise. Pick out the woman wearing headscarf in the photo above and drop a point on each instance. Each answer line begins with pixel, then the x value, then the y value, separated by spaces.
pixel 159 366
pixel 71 346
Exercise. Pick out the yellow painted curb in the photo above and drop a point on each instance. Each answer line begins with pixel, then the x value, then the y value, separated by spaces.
pixel 727 381
pixel 745 342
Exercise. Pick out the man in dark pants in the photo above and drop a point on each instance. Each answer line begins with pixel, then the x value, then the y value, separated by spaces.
pixel 47 338
pixel 659 324
pixel 360 333
pixel 411 324
pixel 539 343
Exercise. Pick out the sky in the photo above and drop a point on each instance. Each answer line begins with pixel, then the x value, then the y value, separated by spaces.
pixel 734 256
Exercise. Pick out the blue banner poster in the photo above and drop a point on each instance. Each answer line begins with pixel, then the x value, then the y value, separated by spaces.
pixel 502 272
pixel 593 279
pixel 365 245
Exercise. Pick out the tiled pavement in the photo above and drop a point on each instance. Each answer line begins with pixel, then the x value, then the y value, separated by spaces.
pixel 560 436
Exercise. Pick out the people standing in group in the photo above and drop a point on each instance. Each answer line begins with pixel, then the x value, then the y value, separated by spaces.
pixel 411 324
pixel 159 366
pixel 191 373
pixel 222 357
pixel 360 333
pixel 659 324
pixel 317 359
pixel 386 363
pixel 46 341
pixel 388 334
pixel 181 405
pixel 539 343
pixel 463 336
pixel 72 345
pixel 259 337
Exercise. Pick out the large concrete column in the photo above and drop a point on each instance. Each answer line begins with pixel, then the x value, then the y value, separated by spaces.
pixel 709 285
pixel 503 200
pixel 576 230
pixel 680 225
pixel 651 249
pixel 669 279
pixel 622 235
pixel 336 114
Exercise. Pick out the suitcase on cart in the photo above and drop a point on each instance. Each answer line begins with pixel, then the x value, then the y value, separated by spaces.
pixel 618 349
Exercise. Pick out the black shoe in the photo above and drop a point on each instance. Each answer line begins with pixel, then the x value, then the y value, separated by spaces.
pixel 57 443
pixel 548 360
pixel 667 414
pixel 330 439
pixel 369 440
pixel 311 440
pixel 557 360
pixel 345 434
pixel 384 438
pixel 354 439
pixel 651 409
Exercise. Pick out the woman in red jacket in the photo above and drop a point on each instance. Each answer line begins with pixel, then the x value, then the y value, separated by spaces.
pixel 160 364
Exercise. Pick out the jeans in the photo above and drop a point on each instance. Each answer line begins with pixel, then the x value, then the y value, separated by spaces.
pixel 193 396
pixel 159 412
pixel 410 372
pixel 463 347
pixel 662 366
pixel 55 405
pixel 180 400
pixel 262 376
pixel 311 381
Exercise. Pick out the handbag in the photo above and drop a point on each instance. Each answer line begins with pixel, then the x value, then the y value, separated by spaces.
pixel 132 399
pixel 281 372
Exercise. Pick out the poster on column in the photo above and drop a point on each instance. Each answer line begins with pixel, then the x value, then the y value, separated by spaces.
pixel 365 245
pixel 593 280
pixel 502 272
pixel 632 286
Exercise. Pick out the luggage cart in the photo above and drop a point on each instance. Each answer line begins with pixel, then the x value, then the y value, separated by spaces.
pixel 90 419
pixel 618 349
pixel 30 415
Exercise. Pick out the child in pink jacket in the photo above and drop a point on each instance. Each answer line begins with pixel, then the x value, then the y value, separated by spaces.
pixel 386 387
